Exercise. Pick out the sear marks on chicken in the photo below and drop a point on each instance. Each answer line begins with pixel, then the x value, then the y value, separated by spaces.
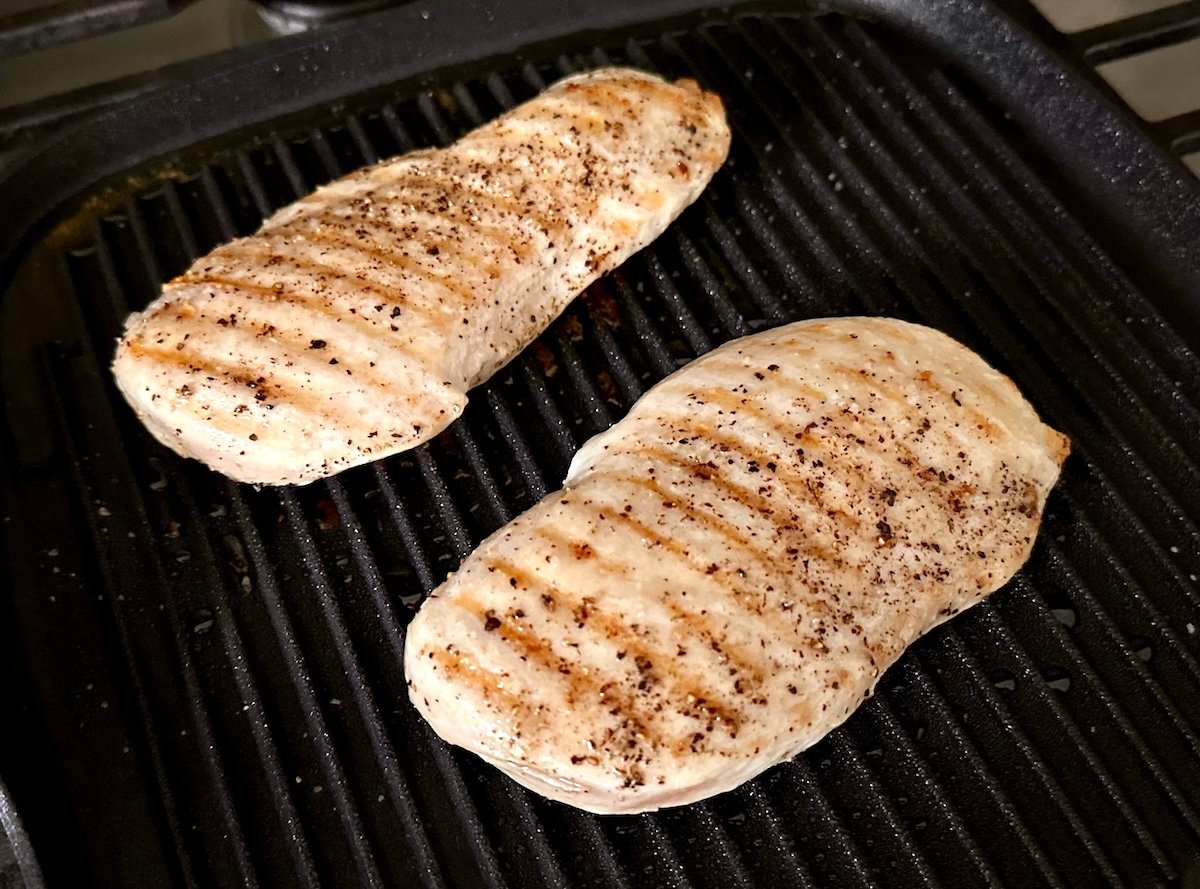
pixel 351 325
pixel 727 572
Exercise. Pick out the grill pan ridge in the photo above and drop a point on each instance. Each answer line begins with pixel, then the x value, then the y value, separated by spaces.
pixel 204 680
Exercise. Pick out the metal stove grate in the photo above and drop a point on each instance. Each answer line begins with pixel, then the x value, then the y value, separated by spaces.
pixel 219 668
pixel 1090 49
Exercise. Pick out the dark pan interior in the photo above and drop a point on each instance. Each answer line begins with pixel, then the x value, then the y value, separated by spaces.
pixel 203 681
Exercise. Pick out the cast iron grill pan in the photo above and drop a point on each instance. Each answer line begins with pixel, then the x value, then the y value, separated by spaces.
pixel 206 678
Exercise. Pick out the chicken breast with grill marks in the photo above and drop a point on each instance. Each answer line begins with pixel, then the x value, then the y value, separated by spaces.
pixel 727 572
pixel 351 325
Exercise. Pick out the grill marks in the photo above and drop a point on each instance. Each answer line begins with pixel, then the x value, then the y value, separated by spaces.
pixel 658 539
pixel 239 289
pixel 734 537
pixel 776 457
pixel 636 700
pixel 878 437
pixel 457 664
pixel 244 250
pixel 799 544
pixel 689 622
pixel 500 210
pixel 202 363
pixel 336 362
pixel 407 265
pixel 769 503
pixel 472 250
pixel 747 589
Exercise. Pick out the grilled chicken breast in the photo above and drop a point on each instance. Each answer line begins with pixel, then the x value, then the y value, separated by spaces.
pixel 728 570
pixel 352 323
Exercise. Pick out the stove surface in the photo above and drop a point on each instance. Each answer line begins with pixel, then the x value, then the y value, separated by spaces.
pixel 1162 78
pixel 202 28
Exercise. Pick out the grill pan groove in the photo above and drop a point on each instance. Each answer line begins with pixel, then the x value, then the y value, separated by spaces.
pixel 81 376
